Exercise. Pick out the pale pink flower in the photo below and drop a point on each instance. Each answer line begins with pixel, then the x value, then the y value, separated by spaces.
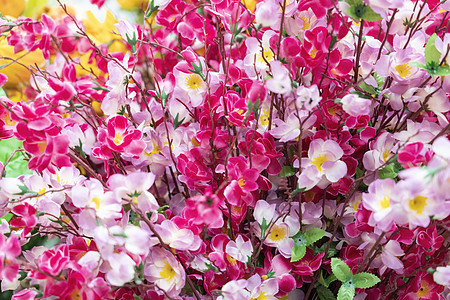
pixel 290 129
pixel 122 269
pixel 240 250
pixel 128 32
pixel 280 83
pixel 442 275
pixel 235 290
pixel 174 237
pixel 378 200
pixel 355 105
pixel 260 289
pixel 264 211
pixel 322 165
pixel 163 269
pixel 134 188
pixel 382 150
pixel 307 97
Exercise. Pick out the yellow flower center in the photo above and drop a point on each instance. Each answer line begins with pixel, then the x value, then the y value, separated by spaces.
pixel 277 233
pixel 156 150
pixel 239 111
pixel 424 289
pixel 237 209
pixel 231 259
pixel 319 161
pixel 384 203
pixel 268 56
pixel 7 119
pixel 261 296
pixel 61 181
pixel 97 201
pixel 403 70
pixel 356 205
pixel 241 182
pixel 313 52
pixel 118 138
pixel 41 191
pixel 418 204
pixel 306 23
pixel 167 272
pixel 386 154
pixel 264 118
pixel 42 145
pixel 194 82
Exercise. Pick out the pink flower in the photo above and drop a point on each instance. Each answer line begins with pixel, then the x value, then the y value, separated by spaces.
pixel 204 209
pixel 128 32
pixel 26 294
pixel 163 269
pixel 180 239
pixel 378 200
pixel 411 155
pixel 122 269
pixel 48 153
pixel 355 105
pixel 308 264
pixel 430 240
pixel 442 275
pixel 118 137
pixel 240 250
pixel 53 261
pixel 322 165
pixel 9 250
pixel 243 181
pixel 26 217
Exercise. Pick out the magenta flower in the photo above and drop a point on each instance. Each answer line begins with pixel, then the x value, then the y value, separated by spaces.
pixel 120 138
pixel 204 209
pixel 26 217
pixel 9 250
pixel 243 181
pixel 53 261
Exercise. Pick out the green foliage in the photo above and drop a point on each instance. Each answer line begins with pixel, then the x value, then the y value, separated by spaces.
pixel 287 171
pixel 341 270
pixel 389 171
pixel 302 240
pixel 346 292
pixel 324 293
pixel 365 280
pixel 17 165
pixel 349 281
pixel 358 10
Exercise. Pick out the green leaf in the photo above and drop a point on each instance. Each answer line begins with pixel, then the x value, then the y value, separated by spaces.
pixel 7 217
pixel 369 15
pixel 389 171
pixel 368 88
pixel 346 292
pixel 287 171
pixel 365 280
pixel 324 293
pixel 341 270
pixel 296 191
pixel 329 280
pixel 177 123
pixel 313 235
pixel 263 227
pixel 443 71
pixel 2 93
pixel 298 252
pixel 431 53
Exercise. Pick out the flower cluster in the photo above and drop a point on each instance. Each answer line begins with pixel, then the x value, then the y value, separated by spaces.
pixel 225 149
